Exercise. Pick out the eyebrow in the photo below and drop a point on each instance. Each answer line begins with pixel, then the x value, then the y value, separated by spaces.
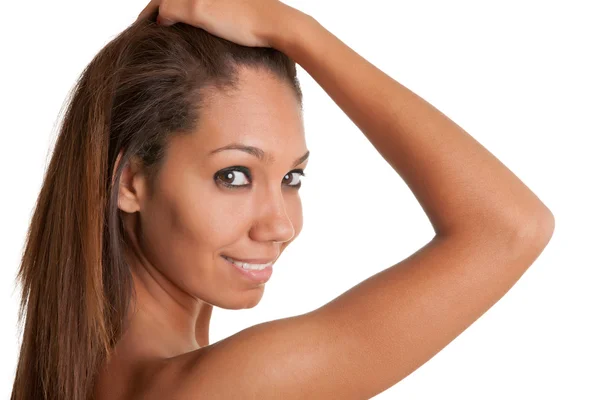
pixel 255 151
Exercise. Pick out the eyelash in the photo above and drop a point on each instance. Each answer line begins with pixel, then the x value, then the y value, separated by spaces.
pixel 246 171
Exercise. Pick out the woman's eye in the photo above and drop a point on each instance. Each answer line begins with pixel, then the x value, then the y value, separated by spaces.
pixel 295 182
pixel 233 177
pixel 239 177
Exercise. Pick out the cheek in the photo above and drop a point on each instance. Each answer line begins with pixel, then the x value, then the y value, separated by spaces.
pixel 178 235
pixel 185 228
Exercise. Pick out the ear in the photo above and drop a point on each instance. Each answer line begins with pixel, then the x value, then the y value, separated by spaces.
pixel 131 184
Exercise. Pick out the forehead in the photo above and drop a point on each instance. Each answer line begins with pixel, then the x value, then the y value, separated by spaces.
pixel 263 112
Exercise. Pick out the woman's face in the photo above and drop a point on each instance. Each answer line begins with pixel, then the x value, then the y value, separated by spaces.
pixel 193 218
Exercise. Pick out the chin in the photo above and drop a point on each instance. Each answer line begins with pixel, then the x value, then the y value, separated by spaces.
pixel 241 300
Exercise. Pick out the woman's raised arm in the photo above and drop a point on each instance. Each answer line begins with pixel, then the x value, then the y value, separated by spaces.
pixel 489 229
pixel 461 186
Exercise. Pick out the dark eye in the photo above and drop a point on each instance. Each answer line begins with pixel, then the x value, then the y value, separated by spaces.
pixel 234 177
pixel 297 181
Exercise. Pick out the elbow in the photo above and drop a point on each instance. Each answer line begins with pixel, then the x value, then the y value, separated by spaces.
pixel 532 236
pixel 540 228
pixel 528 233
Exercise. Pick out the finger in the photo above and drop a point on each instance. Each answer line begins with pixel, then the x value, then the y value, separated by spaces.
pixel 150 8
pixel 163 21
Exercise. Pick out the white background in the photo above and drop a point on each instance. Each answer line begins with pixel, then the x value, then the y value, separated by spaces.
pixel 522 77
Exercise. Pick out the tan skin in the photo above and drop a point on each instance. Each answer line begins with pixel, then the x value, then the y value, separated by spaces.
pixel 489 229
pixel 176 237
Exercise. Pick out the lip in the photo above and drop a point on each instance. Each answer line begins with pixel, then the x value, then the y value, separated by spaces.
pixel 253 260
pixel 256 276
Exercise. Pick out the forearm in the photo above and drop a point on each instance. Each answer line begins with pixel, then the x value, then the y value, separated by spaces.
pixel 460 185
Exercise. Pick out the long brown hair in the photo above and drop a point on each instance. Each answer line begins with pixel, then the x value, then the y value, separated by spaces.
pixel 146 84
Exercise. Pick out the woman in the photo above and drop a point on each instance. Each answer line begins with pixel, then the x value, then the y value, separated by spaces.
pixel 182 149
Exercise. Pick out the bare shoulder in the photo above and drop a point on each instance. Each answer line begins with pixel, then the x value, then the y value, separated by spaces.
pixel 362 342
pixel 244 364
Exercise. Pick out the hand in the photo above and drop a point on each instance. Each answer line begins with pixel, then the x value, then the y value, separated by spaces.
pixel 246 22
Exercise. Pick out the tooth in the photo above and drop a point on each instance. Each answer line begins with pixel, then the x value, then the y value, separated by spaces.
pixel 248 266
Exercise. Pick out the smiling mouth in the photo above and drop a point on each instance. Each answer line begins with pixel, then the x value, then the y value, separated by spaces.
pixel 248 266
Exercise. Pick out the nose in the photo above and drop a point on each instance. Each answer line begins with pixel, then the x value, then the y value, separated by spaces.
pixel 273 223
